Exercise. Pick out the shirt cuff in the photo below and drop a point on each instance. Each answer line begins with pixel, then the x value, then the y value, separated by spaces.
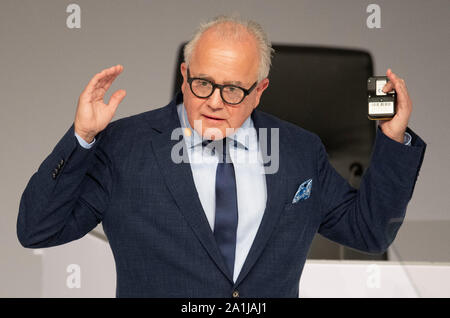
pixel 83 143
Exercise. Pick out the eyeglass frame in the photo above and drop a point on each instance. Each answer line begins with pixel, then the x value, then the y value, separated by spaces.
pixel 221 87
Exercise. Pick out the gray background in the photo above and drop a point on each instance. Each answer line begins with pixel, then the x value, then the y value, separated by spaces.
pixel 44 66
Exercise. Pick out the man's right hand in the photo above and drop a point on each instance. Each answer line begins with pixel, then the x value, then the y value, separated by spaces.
pixel 93 115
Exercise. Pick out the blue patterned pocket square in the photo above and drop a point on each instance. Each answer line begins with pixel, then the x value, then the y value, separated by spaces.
pixel 303 192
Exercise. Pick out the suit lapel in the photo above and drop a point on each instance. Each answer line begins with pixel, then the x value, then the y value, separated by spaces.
pixel 180 181
pixel 275 191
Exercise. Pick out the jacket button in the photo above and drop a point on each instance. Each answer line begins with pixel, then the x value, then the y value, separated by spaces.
pixel 54 175
pixel 61 162
pixel 56 171
pixel 235 294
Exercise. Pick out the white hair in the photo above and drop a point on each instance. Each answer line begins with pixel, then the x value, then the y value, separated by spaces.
pixel 230 27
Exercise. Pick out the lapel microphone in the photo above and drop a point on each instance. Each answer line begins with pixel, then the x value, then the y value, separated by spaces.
pixel 187 130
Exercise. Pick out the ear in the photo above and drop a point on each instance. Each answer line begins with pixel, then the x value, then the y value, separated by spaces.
pixel 260 89
pixel 183 70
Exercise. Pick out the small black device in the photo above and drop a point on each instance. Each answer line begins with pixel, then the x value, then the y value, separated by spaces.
pixel 381 105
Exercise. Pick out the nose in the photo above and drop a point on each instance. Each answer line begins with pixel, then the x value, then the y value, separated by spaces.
pixel 215 100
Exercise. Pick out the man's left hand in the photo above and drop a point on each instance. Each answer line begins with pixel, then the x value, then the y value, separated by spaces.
pixel 395 128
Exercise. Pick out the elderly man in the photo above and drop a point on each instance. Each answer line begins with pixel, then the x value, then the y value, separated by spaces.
pixel 218 227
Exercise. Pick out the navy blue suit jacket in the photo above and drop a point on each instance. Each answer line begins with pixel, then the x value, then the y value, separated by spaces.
pixel 161 240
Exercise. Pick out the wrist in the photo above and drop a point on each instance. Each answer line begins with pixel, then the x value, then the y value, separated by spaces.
pixel 85 136
pixel 398 137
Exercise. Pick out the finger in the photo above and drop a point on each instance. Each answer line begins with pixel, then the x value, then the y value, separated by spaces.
pixel 403 97
pixel 99 77
pixel 393 77
pixel 116 99
pixel 110 79
pixel 110 75
pixel 388 87
pixel 92 83
pixel 403 100
pixel 388 71
pixel 99 84
pixel 394 82
pixel 399 86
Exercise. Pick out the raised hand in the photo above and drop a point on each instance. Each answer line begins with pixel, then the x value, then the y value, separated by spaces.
pixel 395 128
pixel 93 115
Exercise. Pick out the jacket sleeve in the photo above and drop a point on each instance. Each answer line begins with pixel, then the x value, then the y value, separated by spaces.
pixel 368 219
pixel 68 195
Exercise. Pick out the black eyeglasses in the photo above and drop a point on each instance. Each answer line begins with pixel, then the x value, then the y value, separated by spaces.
pixel 231 94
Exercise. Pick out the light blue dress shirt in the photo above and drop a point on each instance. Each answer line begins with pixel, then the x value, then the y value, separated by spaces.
pixel 250 180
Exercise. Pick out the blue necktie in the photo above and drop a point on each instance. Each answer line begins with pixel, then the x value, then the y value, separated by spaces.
pixel 226 220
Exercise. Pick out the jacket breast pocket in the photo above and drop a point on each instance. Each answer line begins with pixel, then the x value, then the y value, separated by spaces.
pixel 300 197
pixel 300 205
pixel 299 189
pixel 298 218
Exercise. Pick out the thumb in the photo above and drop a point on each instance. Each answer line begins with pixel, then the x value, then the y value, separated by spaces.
pixel 116 99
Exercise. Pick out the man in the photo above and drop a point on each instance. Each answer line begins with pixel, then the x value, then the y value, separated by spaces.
pixel 218 228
